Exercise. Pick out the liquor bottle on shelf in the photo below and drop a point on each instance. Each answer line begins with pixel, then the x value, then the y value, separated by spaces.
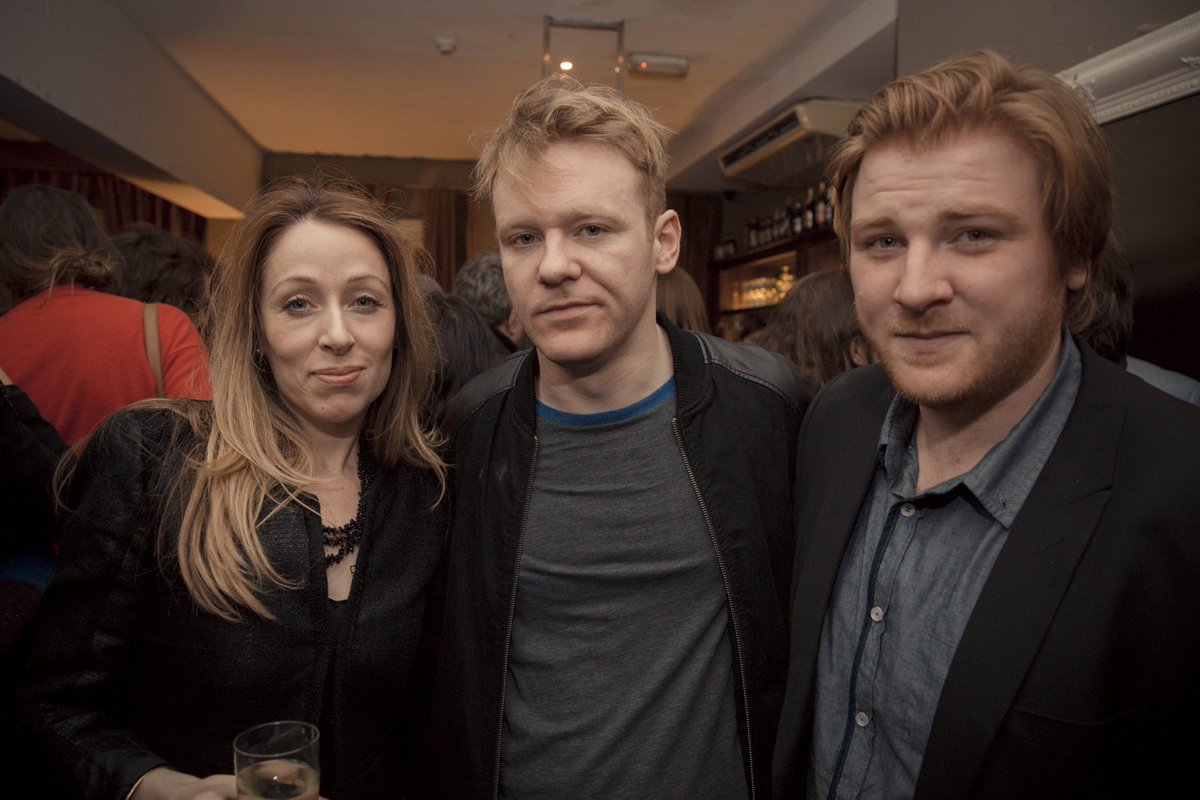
pixel 821 216
pixel 828 205
pixel 796 213
pixel 810 209
pixel 752 234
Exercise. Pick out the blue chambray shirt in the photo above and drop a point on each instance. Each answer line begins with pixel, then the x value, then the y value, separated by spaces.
pixel 908 582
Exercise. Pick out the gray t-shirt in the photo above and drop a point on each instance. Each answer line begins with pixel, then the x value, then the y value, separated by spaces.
pixel 620 680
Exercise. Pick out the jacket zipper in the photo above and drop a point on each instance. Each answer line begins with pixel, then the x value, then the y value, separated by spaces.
pixel 737 638
pixel 512 610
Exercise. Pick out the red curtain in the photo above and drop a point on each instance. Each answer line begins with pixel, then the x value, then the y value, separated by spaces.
pixel 447 217
pixel 700 216
pixel 118 202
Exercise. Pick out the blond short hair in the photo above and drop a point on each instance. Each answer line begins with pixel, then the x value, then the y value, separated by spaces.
pixel 560 109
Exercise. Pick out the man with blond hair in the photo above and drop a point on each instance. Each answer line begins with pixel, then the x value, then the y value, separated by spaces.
pixel 617 566
pixel 998 531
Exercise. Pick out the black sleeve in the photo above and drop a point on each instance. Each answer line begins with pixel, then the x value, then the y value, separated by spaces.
pixel 69 709
pixel 31 448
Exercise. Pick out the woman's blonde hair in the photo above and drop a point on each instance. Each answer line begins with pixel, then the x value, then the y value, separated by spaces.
pixel 252 444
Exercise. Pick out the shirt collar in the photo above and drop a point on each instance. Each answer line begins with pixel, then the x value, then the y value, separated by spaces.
pixel 1004 477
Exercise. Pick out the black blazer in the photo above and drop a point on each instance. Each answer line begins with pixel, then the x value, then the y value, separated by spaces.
pixel 127 675
pixel 1078 674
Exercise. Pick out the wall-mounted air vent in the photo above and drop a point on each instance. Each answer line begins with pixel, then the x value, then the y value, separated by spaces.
pixel 789 150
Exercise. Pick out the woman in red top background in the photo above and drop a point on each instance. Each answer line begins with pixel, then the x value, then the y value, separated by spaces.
pixel 77 349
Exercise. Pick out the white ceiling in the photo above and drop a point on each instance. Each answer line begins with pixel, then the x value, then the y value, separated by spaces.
pixel 364 77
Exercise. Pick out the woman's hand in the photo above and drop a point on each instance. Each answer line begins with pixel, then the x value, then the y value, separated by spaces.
pixel 167 784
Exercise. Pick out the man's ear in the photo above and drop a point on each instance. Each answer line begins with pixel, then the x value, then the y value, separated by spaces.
pixel 512 327
pixel 860 352
pixel 1078 277
pixel 667 235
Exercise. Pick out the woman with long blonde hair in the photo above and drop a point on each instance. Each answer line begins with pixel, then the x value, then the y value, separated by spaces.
pixel 264 556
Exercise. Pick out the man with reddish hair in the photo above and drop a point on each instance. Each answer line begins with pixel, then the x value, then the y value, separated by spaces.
pixel 998 532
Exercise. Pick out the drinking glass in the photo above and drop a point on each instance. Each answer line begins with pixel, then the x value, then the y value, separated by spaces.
pixel 277 761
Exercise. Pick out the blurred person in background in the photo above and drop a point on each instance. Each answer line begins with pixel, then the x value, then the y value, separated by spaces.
pixel 1110 332
pixel 466 347
pixel 263 556
pixel 160 267
pixel 678 296
pixel 79 350
pixel 480 282
pixel 31 450
pixel 815 327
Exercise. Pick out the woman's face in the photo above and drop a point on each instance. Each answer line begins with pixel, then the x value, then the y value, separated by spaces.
pixel 328 324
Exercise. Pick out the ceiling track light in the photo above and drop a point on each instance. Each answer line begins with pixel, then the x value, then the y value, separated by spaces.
pixel 617 28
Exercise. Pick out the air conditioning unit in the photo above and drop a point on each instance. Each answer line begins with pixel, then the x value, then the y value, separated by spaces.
pixel 790 150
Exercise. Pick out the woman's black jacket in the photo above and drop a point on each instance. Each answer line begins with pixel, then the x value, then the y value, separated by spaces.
pixel 128 675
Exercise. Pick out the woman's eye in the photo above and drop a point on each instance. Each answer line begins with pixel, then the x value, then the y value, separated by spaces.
pixel 592 230
pixel 976 235
pixel 883 242
pixel 524 239
pixel 366 301
pixel 296 304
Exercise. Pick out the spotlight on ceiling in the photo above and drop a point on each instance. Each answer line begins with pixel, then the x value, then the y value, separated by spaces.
pixel 656 64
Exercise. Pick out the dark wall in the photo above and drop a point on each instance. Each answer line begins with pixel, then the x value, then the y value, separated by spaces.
pixel 1156 160
pixel 1156 167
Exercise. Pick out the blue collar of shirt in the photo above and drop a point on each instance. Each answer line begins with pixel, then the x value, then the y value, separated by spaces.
pixel 647 404
pixel 1003 478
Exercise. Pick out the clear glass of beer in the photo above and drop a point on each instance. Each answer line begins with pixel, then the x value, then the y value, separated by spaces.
pixel 277 761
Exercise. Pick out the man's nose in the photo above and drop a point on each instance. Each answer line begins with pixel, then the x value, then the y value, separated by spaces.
pixel 559 260
pixel 924 279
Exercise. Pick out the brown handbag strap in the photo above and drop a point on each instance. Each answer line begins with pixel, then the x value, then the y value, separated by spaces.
pixel 153 349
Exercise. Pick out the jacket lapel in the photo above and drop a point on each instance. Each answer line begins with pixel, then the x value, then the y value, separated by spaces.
pixel 1024 590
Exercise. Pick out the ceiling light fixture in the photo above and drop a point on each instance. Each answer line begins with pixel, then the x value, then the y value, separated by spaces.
pixel 565 65
pixel 446 45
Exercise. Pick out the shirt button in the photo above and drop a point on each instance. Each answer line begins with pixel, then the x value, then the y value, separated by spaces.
pixel 877 614
pixel 907 510
pixel 861 719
